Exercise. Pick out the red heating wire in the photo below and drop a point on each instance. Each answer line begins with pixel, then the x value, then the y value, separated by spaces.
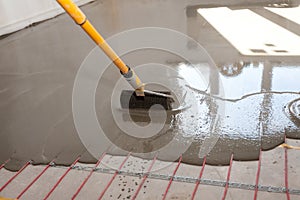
pixel 257 175
pixel 114 176
pixel 61 178
pixel 14 176
pixel 1 166
pixel 144 178
pixel 199 177
pixel 34 180
pixel 87 178
pixel 286 181
pixel 171 179
pixel 228 178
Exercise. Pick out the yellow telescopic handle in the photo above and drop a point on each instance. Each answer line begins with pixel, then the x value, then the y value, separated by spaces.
pixel 79 17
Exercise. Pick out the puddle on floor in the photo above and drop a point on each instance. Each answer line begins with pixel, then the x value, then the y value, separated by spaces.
pixel 243 104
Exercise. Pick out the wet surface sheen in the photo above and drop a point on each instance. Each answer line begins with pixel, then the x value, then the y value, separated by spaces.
pixel 38 66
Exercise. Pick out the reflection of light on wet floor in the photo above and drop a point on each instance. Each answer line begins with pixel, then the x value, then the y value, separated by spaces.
pixel 286 79
pixel 292 14
pixel 252 34
pixel 282 79
pixel 248 82
pixel 195 76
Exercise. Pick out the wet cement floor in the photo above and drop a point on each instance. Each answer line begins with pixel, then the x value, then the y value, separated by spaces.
pixel 240 106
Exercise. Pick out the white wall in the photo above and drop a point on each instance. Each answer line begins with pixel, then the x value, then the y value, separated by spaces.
pixel 17 14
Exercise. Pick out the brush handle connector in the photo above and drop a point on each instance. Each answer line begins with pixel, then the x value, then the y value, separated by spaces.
pixel 134 81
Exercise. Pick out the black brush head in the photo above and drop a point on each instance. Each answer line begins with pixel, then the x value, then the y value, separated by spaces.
pixel 129 100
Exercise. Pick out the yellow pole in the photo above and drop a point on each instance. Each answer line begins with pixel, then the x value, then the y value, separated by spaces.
pixel 72 9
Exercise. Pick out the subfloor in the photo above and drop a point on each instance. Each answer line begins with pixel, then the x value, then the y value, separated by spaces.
pixel 238 81
pixel 274 176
